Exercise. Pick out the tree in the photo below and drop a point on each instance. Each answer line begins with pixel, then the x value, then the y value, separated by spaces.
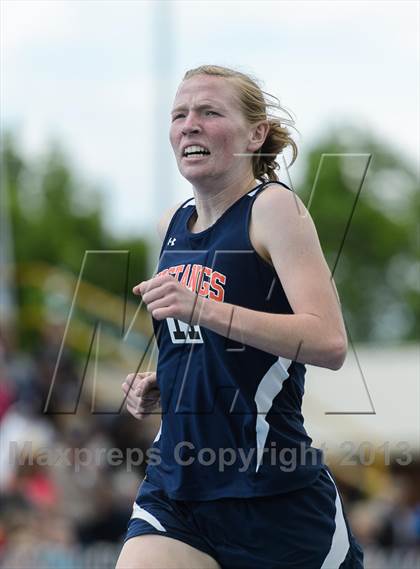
pixel 54 218
pixel 376 267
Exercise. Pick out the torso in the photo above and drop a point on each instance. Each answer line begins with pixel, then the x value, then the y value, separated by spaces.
pixel 217 393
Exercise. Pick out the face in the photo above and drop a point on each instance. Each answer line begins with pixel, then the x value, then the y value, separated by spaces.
pixel 206 114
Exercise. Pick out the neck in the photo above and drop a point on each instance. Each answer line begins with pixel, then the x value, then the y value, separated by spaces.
pixel 211 204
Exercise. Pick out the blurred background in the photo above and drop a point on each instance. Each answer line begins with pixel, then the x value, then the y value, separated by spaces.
pixel 87 170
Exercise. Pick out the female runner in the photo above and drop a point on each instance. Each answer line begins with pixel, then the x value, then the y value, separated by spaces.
pixel 242 300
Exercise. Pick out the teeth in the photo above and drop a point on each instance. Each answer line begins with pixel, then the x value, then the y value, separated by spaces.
pixel 195 149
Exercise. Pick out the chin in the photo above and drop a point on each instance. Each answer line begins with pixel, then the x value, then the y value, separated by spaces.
pixel 194 177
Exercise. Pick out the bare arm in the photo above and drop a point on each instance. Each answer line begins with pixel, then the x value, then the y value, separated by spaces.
pixel 315 333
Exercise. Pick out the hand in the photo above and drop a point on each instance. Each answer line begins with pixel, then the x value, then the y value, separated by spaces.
pixel 166 297
pixel 143 395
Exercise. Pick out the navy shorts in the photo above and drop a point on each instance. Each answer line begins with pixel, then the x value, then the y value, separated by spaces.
pixel 303 529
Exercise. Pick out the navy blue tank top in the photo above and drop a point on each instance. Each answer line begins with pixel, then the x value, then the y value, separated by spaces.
pixel 231 414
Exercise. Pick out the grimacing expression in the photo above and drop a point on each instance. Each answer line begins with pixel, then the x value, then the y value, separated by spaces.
pixel 208 128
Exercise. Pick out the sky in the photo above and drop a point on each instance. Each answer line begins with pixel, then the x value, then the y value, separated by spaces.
pixel 99 77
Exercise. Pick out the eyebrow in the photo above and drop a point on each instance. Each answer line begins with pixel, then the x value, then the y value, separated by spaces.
pixel 197 107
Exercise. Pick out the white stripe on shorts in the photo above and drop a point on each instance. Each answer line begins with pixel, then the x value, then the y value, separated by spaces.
pixel 142 514
pixel 340 541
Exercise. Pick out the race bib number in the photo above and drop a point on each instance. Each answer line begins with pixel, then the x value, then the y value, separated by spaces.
pixel 182 333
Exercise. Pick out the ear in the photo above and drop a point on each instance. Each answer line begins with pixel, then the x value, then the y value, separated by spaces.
pixel 257 136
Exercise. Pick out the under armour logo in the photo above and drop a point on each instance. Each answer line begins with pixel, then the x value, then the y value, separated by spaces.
pixel 171 241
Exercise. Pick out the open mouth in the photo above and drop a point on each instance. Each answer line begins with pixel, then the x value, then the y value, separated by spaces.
pixel 195 151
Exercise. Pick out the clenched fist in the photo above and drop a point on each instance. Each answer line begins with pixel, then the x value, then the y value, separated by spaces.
pixel 166 297
pixel 143 395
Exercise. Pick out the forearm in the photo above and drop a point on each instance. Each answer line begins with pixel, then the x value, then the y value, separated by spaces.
pixel 299 337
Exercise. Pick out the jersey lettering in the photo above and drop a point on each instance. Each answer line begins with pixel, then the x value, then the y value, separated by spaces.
pixel 199 278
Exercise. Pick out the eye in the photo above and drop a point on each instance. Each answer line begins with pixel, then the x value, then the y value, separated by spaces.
pixel 178 116
pixel 211 113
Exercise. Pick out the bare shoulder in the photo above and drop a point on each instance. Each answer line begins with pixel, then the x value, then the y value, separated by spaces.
pixel 280 201
pixel 164 220
pixel 277 214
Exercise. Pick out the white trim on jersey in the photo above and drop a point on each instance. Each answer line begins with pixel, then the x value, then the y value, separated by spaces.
pixel 269 387
pixel 142 514
pixel 340 542
pixel 157 437
pixel 191 201
pixel 252 192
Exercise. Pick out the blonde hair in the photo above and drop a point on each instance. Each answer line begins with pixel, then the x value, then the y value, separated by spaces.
pixel 257 105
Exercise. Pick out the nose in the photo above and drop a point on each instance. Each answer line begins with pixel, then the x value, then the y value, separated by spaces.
pixel 191 125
